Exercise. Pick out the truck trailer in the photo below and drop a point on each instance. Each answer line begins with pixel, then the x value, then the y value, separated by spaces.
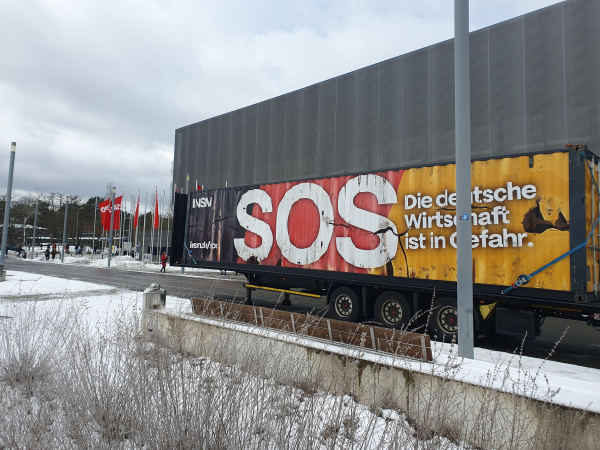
pixel 381 246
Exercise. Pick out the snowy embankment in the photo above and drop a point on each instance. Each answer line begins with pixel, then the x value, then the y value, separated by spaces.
pixel 75 374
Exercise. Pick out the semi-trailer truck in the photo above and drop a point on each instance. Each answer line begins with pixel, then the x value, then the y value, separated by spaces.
pixel 381 246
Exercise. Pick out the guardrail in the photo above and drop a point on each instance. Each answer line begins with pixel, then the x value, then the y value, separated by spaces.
pixel 397 342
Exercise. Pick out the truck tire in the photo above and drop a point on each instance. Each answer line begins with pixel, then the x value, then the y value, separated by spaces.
pixel 443 323
pixel 344 304
pixel 392 310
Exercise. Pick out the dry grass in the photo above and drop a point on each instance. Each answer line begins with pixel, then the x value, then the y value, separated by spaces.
pixel 67 384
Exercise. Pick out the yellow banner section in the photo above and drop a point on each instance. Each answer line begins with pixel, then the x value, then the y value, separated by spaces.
pixel 520 219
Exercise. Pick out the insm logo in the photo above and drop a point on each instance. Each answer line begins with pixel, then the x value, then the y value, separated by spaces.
pixel 201 202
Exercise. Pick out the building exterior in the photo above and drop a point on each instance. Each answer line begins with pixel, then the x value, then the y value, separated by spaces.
pixel 534 86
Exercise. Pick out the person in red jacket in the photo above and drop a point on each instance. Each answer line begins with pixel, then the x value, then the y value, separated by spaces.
pixel 163 261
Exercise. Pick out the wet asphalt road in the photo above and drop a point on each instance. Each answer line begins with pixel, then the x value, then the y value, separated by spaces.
pixel 581 344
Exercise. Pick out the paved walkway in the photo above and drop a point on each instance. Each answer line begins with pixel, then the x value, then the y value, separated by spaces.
pixel 193 284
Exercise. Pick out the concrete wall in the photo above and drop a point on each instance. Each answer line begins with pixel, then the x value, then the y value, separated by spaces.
pixel 432 399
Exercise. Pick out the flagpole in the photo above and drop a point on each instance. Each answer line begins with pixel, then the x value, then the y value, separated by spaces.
pixel 144 232
pixel 159 232
pixel 122 219
pixel 131 224
pixel 161 220
pixel 168 219
pixel 152 232
pixel 112 221
pixel 138 225
pixel 94 238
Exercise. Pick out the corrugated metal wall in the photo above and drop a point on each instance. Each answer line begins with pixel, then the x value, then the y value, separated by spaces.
pixel 535 85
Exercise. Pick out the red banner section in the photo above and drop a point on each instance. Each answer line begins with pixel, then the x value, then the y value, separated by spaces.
pixel 137 212
pixel 336 224
pixel 105 213
pixel 156 211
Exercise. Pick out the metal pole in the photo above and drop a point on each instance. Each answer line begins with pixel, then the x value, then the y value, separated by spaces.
pixel 62 251
pixel 144 232
pixel 594 233
pixel 112 221
pixel 138 227
pixel 122 214
pixel 11 167
pixel 34 230
pixel 168 219
pixel 462 111
pixel 94 238
pixel 131 210
pixel 187 191
pixel 161 221
pixel 152 233
pixel 77 229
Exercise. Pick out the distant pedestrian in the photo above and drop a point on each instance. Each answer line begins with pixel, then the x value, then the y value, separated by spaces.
pixel 47 253
pixel 19 250
pixel 163 261
pixel 223 272
pixel 95 249
pixel 53 253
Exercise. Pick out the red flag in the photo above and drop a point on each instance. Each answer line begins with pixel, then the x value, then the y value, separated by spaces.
pixel 105 213
pixel 137 210
pixel 156 211
pixel 198 187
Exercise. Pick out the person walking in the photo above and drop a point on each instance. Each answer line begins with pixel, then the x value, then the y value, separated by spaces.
pixel 47 253
pixel 163 261
pixel 53 252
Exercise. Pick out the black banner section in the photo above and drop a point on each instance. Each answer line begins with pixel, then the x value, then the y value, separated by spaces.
pixel 179 212
pixel 213 224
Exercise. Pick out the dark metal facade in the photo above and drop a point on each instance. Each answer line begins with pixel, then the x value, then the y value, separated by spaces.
pixel 534 86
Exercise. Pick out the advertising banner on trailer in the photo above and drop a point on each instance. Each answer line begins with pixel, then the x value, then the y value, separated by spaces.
pixel 399 223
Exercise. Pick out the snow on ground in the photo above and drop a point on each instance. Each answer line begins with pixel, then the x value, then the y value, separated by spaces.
pixel 577 386
pixel 278 412
pixel 119 262
pixel 100 300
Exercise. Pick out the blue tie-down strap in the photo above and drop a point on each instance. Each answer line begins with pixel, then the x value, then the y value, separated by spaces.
pixel 189 253
pixel 524 279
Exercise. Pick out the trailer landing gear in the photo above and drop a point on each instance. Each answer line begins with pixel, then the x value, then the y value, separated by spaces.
pixel 286 300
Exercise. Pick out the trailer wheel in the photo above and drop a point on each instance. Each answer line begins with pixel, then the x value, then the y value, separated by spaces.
pixel 344 304
pixel 392 310
pixel 443 323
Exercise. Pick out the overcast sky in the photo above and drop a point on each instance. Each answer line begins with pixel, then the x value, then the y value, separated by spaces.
pixel 92 91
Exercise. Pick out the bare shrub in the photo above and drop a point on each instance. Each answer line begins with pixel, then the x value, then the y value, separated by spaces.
pixel 106 387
